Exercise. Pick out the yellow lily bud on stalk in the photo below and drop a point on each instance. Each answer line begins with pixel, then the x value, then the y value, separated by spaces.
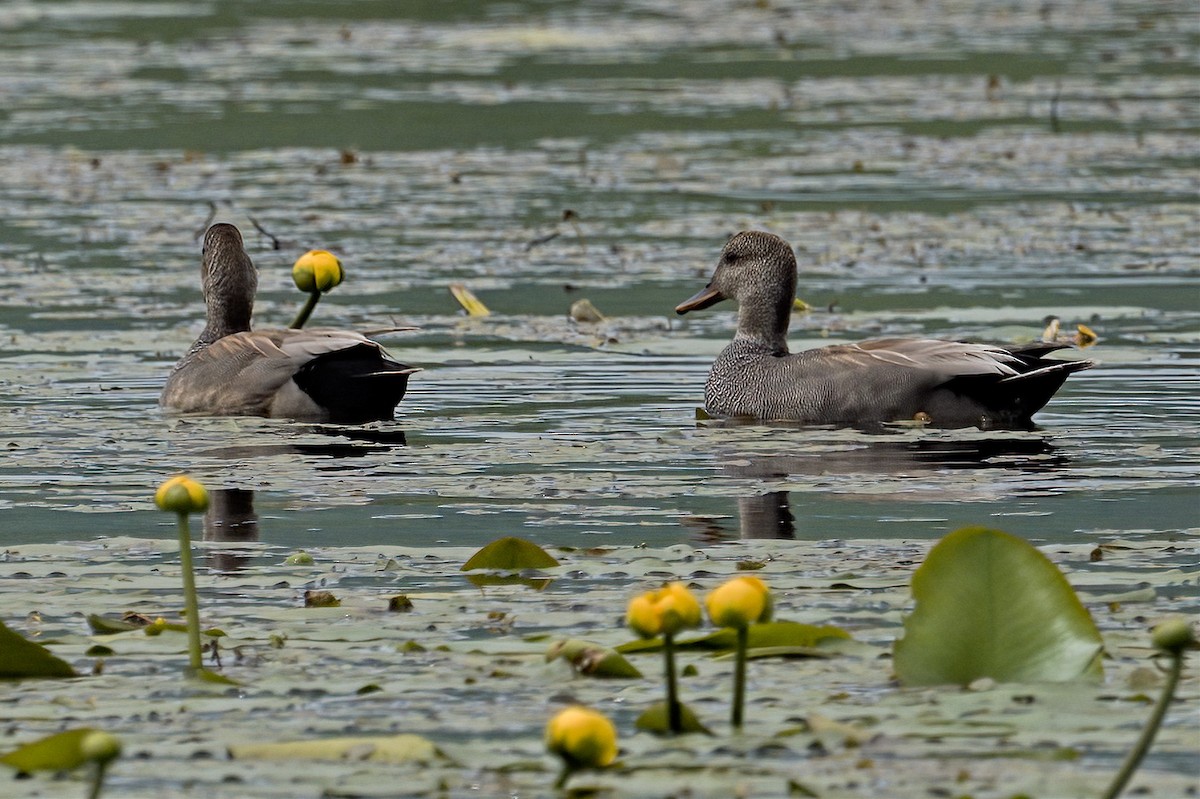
pixel 1173 636
pixel 642 616
pixel 182 495
pixel 315 272
pixel 739 602
pixel 582 737
pixel 665 611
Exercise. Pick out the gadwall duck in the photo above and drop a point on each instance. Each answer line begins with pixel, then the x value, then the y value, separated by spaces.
pixel 319 374
pixel 946 383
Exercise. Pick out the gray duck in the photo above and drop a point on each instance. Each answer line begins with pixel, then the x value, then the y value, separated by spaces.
pixel 317 374
pixel 947 383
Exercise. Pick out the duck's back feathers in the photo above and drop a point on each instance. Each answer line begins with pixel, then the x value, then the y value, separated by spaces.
pixel 950 384
pixel 326 375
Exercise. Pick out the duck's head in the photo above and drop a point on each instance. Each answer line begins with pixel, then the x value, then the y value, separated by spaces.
pixel 229 280
pixel 758 270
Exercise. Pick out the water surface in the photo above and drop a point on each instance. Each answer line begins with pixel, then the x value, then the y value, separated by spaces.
pixel 961 172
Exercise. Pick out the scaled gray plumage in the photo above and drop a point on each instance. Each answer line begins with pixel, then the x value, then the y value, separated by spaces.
pixel 318 374
pixel 953 384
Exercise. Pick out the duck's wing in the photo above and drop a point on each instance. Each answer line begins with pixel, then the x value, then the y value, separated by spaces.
pixel 351 377
pixel 251 373
pixel 945 358
pixel 954 383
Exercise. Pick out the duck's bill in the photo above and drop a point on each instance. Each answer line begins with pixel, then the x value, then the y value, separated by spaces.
pixel 701 300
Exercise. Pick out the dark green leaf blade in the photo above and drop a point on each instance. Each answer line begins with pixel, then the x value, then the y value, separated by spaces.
pixel 510 554
pixel 20 658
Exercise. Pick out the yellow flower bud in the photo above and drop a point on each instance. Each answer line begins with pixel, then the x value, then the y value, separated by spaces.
pixel 317 270
pixel 739 602
pixel 181 494
pixel 642 617
pixel 100 746
pixel 1173 635
pixel 679 608
pixel 582 737
pixel 666 611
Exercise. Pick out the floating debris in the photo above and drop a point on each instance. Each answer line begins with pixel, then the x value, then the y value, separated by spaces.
pixel 468 301
pixel 584 311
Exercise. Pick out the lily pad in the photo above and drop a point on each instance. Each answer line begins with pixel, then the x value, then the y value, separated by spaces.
pixel 61 752
pixel 654 719
pixel 403 748
pixel 20 658
pixel 786 636
pixel 105 626
pixel 593 660
pixel 486 580
pixel 510 554
pixel 990 605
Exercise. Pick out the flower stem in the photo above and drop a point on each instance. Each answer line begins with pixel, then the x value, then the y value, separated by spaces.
pixel 1134 758
pixel 313 298
pixel 563 776
pixel 190 604
pixel 101 767
pixel 674 711
pixel 739 676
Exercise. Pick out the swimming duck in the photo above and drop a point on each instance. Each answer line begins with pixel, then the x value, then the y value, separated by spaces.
pixel 317 374
pixel 945 383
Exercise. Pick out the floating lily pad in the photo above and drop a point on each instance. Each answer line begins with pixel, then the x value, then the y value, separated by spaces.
pixel 593 660
pixel 61 752
pixel 105 626
pixel 20 658
pixel 991 605
pixel 403 748
pixel 782 635
pixel 655 719
pixel 510 554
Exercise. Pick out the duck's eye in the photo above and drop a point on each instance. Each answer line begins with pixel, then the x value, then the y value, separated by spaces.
pixel 730 257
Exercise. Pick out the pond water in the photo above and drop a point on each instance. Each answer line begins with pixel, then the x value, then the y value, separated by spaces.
pixel 958 172
pixel 958 169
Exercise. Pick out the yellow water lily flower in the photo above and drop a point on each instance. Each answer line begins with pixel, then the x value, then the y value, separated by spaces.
pixel 317 270
pixel 663 612
pixel 582 737
pixel 739 602
pixel 181 494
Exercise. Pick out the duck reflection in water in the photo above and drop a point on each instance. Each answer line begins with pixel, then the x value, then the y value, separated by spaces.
pixel 230 517
pixel 769 514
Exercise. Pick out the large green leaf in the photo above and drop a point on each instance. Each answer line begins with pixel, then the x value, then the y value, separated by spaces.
pixel 988 604
pixel 21 658
pixel 510 554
